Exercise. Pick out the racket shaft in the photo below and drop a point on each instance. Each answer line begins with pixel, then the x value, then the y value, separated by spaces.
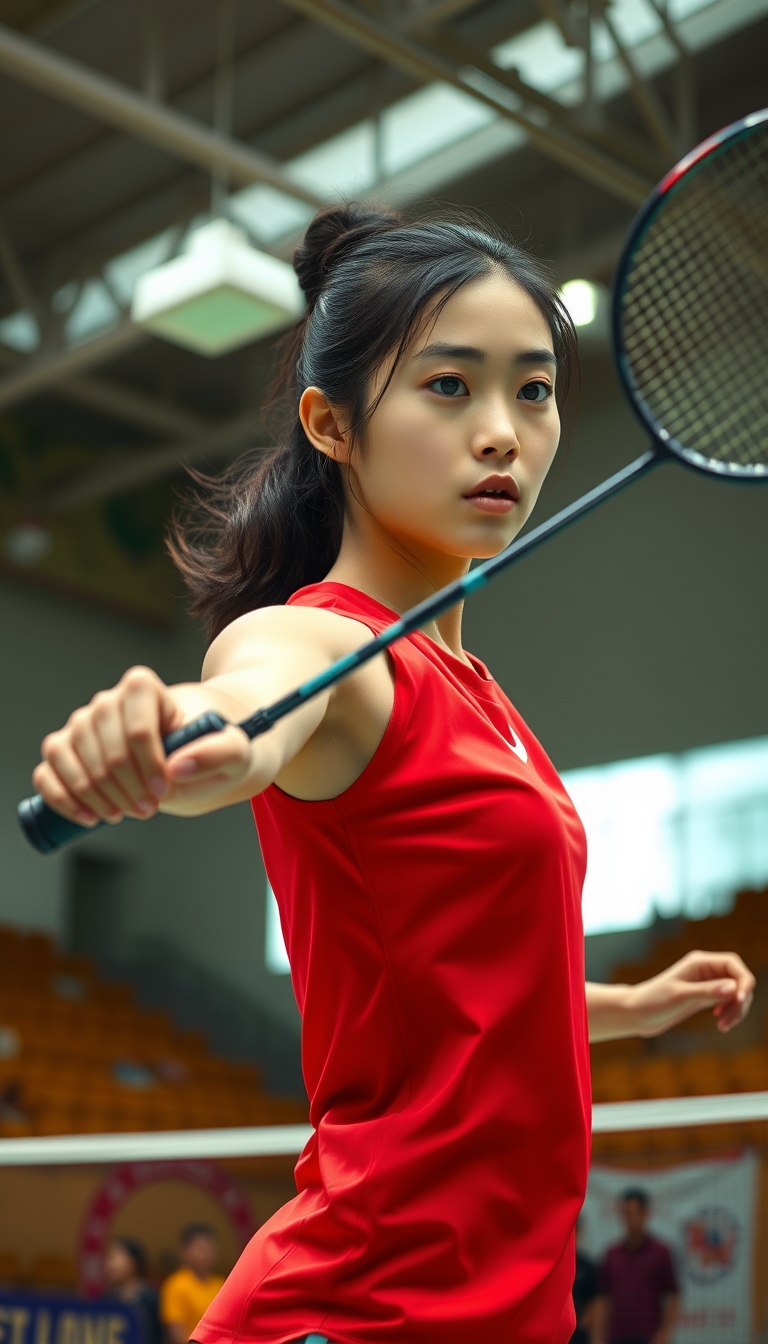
pixel 47 830
pixel 447 597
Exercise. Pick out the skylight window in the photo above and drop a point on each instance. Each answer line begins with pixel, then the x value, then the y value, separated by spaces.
pixel 20 331
pixel 672 835
pixel 345 165
pixel 428 121
pixel 95 310
pixel 541 57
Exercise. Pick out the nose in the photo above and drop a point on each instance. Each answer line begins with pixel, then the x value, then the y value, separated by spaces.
pixel 497 437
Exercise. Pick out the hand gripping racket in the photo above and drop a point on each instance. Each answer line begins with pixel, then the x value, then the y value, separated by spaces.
pixel 690 332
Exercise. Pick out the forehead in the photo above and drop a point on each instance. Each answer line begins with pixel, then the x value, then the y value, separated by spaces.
pixel 492 312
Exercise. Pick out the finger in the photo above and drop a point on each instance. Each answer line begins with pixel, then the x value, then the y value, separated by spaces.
pixel 122 781
pixel 88 747
pixel 148 711
pixel 708 991
pixel 57 796
pixel 732 1013
pixel 719 965
pixel 226 754
pixel 63 761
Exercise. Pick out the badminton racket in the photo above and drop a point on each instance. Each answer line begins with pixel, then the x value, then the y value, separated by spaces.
pixel 690 336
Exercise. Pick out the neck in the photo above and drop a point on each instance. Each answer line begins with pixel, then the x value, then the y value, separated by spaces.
pixel 399 573
pixel 635 1239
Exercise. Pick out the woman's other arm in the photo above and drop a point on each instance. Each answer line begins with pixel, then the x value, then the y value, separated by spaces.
pixel 717 980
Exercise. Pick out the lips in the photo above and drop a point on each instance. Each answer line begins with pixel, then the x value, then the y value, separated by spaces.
pixel 496 487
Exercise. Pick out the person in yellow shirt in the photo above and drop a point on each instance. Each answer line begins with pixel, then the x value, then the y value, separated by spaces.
pixel 186 1294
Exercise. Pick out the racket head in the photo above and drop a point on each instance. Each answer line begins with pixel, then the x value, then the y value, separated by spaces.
pixel 690 306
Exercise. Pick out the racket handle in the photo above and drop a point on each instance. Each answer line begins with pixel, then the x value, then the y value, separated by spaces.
pixel 47 830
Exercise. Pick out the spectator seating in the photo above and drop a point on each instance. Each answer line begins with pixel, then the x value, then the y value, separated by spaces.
pixel 673 1065
pixel 78 1055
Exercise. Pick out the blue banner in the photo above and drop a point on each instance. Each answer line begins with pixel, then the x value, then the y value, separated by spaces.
pixel 32 1318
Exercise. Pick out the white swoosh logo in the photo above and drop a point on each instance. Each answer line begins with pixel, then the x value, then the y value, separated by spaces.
pixel 517 746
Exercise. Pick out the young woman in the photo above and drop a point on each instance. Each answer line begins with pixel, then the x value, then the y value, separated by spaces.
pixel 426 858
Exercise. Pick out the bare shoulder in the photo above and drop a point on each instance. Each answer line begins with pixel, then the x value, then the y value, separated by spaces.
pixel 272 631
pixel 284 646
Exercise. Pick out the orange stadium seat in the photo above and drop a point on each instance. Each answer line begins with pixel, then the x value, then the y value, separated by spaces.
pixel 74 1030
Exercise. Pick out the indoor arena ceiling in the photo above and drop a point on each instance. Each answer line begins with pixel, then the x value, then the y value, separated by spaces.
pixel 121 121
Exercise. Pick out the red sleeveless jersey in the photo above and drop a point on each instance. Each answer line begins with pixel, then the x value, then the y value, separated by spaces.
pixel 433 923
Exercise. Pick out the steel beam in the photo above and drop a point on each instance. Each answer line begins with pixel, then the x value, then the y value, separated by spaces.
pixel 426 65
pixel 115 399
pixel 108 101
pixel 46 369
pixel 127 470
pixel 644 95
pixel 126 403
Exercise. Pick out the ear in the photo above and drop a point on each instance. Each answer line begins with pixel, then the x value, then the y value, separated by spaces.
pixel 321 425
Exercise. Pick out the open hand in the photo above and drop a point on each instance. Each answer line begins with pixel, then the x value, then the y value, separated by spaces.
pixel 717 980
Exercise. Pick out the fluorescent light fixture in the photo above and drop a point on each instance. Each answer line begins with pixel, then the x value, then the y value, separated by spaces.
pixel 580 298
pixel 219 294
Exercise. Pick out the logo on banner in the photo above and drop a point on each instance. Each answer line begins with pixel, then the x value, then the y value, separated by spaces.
pixel 710 1240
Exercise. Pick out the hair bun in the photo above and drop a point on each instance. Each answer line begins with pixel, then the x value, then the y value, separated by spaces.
pixel 331 235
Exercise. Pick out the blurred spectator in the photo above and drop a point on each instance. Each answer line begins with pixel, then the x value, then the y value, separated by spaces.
pixel 187 1293
pixel 584 1293
pixel 125 1277
pixel 11 1104
pixel 638 1297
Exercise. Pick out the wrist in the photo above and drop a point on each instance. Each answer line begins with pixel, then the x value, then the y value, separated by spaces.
pixel 628 1005
pixel 613 1011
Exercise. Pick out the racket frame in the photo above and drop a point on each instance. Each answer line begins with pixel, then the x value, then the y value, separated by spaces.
pixel 643 220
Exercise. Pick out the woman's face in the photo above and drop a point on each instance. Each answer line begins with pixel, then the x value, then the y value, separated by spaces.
pixel 458 447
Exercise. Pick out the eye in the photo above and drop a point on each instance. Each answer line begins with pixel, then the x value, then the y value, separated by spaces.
pixel 450 386
pixel 538 390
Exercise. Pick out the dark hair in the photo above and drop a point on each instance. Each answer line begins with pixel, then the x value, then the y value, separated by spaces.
pixel 640 1196
pixel 137 1253
pixel 194 1230
pixel 273 522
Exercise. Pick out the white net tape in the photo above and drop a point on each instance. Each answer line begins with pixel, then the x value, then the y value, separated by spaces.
pixel 286 1140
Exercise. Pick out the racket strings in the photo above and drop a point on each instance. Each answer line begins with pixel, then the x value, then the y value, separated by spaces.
pixel 695 309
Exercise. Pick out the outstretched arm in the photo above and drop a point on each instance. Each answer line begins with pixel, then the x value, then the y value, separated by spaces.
pixel 717 980
pixel 108 762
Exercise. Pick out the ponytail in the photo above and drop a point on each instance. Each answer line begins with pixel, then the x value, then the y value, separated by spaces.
pixel 263 529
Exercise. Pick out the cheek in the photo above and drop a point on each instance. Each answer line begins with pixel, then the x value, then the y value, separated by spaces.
pixel 405 450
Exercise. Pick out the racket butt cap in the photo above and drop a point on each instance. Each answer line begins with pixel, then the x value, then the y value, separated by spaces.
pixel 45 829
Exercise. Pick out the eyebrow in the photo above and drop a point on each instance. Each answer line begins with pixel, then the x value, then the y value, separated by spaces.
pixel 444 350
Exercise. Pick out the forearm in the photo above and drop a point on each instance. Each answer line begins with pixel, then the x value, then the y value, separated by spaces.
pixel 669 1316
pixel 236 696
pixel 611 1012
pixel 599 1321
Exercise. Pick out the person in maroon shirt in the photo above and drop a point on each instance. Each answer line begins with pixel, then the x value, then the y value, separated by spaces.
pixel 638 1294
